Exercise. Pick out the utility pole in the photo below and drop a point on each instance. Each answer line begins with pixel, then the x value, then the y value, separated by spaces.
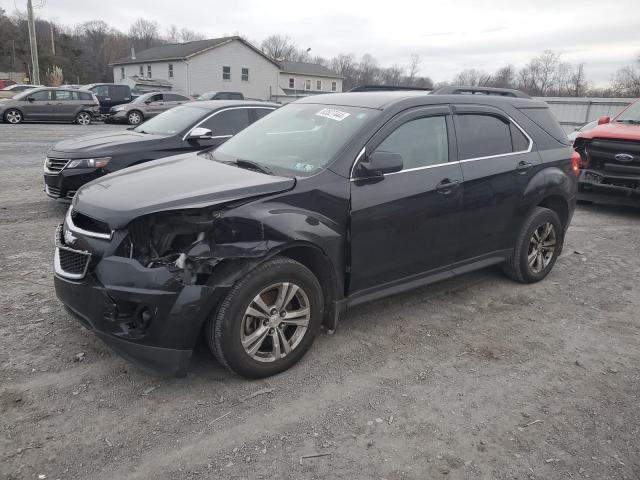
pixel 35 79
pixel 53 43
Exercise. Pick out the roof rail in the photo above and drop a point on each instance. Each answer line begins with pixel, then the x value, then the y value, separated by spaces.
pixel 385 88
pixel 503 92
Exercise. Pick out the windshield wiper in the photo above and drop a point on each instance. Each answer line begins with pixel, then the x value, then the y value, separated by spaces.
pixel 248 164
pixel 632 122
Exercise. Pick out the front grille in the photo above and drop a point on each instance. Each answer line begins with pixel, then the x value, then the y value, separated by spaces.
pixel 52 191
pixel 602 154
pixel 55 164
pixel 89 224
pixel 72 261
pixel 68 262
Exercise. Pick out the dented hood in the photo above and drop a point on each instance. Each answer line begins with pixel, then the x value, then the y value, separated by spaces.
pixel 183 181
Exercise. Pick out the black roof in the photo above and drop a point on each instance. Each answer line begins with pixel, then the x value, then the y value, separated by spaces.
pixel 182 51
pixel 382 100
pixel 304 68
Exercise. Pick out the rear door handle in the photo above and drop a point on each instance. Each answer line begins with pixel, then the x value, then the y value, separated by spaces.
pixel 446 186
pixel 524 167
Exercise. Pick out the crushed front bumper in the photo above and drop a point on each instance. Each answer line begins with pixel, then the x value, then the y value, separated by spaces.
pixel 601 186
pixel 144 314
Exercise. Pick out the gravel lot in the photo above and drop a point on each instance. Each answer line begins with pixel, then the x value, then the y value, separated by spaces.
pixel 473 378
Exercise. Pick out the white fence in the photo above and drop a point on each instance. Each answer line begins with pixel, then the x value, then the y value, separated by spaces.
pixel 573 112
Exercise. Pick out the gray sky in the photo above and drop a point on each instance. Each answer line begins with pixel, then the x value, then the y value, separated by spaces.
pixel 449 35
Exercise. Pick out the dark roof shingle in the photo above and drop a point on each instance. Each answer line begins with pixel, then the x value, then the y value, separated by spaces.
pixel 174 51
pixel 304 68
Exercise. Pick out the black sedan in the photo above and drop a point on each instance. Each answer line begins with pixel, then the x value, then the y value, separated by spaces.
pixel 189 127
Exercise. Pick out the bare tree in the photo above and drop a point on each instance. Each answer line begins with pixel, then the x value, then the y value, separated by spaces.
pixel 187 35
pixel 472 77
pixel 173 34
pixel 413 69
pixel 280 47
pixel 540 74
pixel 392 75
pixel 145 33
pixel 504 77
pixel 367 70
pixel 578 84
pixel 626 81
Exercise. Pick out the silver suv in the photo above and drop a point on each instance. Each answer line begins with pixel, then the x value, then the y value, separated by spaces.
pixel 50 105
pixel 145 106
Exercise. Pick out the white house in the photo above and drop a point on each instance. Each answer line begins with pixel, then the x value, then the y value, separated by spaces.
pixel 225 64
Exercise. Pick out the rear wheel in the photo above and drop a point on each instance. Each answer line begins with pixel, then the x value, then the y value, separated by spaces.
pixel 268 320
pixel 134 118
pixel 537 247
pixel 13 116
pixel 83 118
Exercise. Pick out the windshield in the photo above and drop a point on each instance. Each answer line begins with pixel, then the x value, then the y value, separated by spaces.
pixel 172 121
pixel 630 115
pixel 206 96
pixel 301 138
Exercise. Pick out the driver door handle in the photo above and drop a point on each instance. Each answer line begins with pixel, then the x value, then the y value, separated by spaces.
pixel 523 166
pixel 446 186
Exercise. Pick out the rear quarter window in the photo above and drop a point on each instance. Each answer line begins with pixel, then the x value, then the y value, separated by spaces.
pixel 482 136
pixel 547 122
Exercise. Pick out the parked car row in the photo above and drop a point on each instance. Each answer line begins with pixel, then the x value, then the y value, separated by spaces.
pixel 314 207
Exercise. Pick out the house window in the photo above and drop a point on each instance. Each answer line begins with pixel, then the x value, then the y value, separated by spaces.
pixel 141 71
pixel 292 82
pixel 171 70
pixel 334 86
pixel 318 84
pixel 149 71
pixel 307 84
pixel 245 74
pixel 121 72
pixel 226 73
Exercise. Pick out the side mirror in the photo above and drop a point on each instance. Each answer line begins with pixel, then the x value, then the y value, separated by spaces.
pixel 604 120
pixel 380 163
pixel 30 99
pixel 200 133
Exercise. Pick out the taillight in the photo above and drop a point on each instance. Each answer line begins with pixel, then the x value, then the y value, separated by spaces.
pixel 575 162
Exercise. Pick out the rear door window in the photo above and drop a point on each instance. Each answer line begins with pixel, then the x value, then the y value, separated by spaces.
pixel 228 122
pixel 482 136
pixel 63 95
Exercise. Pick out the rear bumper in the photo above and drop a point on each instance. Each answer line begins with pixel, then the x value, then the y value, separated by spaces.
pixel 597 186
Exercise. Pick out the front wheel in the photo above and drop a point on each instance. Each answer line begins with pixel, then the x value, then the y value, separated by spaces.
pixel 83 118
pixel 268 320
pixel 537 247
pixel 134 118
pixel 13 116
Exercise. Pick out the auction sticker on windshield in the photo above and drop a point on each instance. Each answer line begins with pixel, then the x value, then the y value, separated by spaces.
pixel 336 115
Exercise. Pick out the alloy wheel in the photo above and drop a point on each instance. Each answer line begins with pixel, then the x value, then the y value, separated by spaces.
pixel 275 322
pixel 83 118
pixel 134 118
pixel 14 116
pixel 542 247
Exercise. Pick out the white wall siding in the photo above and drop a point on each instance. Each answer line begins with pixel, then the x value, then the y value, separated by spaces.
pixel 205 71
pixel 299 81
pixel 159 70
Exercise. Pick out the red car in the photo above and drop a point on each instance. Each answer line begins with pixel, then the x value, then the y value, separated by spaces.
pixel 610 159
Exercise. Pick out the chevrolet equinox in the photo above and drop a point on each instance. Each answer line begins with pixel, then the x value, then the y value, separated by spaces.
pixel 326 203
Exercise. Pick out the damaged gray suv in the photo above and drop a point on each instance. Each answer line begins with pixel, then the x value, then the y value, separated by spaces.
pixel 328 202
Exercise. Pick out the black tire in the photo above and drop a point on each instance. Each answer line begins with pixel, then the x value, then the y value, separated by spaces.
pixel 83 118
pixel 134 117
pixel 518 267
pixel 225 327
pixel 13 116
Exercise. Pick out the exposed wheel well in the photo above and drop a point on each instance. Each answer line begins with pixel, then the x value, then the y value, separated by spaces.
pixel 319 264
pixel 559 205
